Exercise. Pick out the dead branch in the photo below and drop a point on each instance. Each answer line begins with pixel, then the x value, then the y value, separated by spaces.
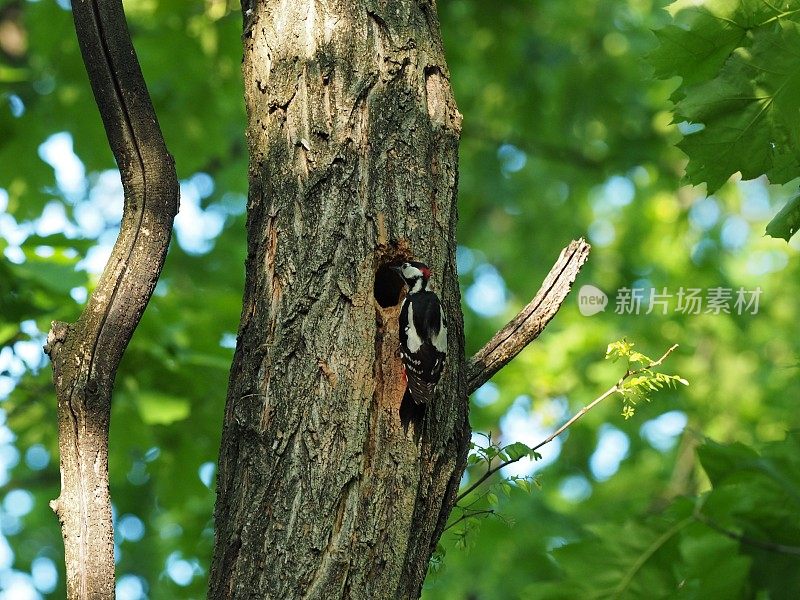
pixel 531 320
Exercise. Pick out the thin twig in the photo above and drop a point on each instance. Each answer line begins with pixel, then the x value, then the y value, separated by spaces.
pixel 610 391
pixel 615 388
pixel 468 515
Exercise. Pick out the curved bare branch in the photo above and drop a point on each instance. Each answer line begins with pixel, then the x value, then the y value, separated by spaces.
pixel 86 354
pixel 531 320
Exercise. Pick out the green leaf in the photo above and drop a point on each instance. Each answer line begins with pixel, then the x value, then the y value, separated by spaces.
pixel 785 224
pixel 631 560
pixel 619 349
pixel 712 566
pixel 491 451
pixel 517 450
pixel 718 460
pixel 739 63
pixel 744 112
pixel 640 358
pixel 702 36
pixel 162 409
pixel 474 459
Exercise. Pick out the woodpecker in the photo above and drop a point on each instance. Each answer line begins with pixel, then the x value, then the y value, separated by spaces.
pixel 423 332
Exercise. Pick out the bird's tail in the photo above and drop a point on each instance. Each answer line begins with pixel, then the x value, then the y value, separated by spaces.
pixel 412 415
pixel 419 393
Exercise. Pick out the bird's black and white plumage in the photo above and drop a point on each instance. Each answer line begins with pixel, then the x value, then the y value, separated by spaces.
pixel 423 333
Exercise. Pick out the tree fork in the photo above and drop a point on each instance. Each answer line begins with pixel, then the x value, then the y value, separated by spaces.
pixel 86 354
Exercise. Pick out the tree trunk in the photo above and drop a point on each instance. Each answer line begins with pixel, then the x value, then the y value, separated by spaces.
pixel 323 492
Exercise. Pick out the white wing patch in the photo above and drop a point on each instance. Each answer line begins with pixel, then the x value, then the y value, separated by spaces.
pixel 414 341
pixel 439 339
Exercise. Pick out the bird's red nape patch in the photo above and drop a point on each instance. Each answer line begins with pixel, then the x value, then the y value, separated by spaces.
pixel 426 272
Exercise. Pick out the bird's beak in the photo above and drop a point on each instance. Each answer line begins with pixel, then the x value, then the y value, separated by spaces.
pixel 396 268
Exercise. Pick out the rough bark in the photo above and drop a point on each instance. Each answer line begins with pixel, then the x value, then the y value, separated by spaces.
pixel 353 135
pixel 86 354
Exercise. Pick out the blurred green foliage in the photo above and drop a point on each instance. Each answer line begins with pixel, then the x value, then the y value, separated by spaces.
pixel 566 133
